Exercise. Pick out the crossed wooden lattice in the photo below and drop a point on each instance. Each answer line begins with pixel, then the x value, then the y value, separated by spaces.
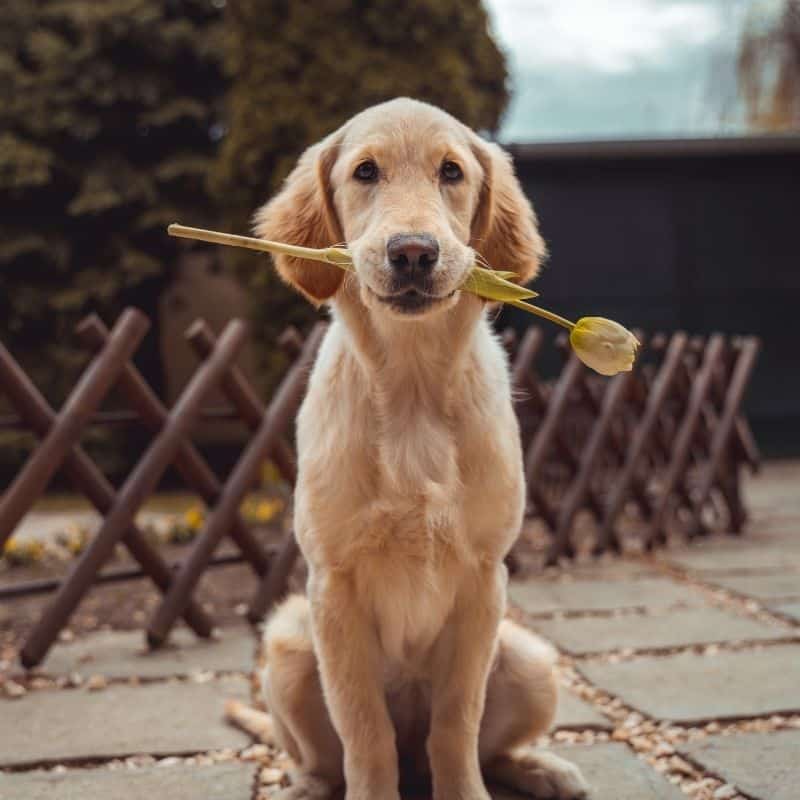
pixel 642 431
pixel 171 445
pixel 668 436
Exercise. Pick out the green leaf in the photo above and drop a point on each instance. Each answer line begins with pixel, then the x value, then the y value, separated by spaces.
pixel 494 286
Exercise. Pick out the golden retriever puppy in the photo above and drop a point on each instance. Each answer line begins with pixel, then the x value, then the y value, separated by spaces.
pixel 410 488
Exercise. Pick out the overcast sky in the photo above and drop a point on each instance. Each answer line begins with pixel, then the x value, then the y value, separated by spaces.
pixel 585 69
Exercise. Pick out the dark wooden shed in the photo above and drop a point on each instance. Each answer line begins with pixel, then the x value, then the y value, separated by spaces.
pixel 700 234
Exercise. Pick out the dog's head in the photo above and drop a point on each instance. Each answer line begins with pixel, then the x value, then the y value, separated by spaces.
pixel 415 195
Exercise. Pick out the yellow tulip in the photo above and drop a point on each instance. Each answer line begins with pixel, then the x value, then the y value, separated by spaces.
pixel 601 344
pixel 604 345
pixel 488 283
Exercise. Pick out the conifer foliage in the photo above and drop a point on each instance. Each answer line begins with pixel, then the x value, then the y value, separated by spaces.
pixel 299 69
pixel 118 117
pixel 109 116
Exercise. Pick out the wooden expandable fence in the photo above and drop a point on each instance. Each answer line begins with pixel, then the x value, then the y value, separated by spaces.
pixel 59 448
pixel 667 439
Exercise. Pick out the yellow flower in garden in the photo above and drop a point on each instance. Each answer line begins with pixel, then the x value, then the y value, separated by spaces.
pixel 265 510
pixel 604 345
pixel 23 552
pixel 73 538
pixel 194 518
pixel 76 542
pixel 35 551
pixel 11 547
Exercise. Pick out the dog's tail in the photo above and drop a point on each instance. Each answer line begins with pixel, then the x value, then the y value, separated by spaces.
pixel 257 724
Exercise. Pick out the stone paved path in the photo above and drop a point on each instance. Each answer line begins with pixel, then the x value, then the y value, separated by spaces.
pixel 118 654
pixel 681 677
pixel 761 764
pixel 176 782
pixel 163 719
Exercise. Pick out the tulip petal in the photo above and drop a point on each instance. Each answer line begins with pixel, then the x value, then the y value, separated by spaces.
pixel 604 345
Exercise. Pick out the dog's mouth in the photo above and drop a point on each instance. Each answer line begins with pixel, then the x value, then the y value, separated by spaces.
pixel 412 300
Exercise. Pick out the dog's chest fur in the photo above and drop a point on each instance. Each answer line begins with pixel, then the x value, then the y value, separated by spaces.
pixel 410 479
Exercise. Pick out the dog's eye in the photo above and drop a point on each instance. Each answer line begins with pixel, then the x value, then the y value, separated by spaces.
pixel 366 171
pixel 450 171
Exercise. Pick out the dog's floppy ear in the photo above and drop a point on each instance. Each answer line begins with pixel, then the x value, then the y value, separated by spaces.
pixel 504 229
pixel 303 213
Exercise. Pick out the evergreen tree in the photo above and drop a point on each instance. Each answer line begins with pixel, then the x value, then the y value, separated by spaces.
pixel 299 69
pixel 109 116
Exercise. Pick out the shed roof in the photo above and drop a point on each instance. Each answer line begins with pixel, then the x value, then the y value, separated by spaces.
pixel 720 146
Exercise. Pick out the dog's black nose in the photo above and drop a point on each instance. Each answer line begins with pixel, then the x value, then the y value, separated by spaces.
pixel 412 253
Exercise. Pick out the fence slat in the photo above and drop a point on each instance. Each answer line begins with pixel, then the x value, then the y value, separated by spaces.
pixel 241 394
pixel 683 441
pixel 614 395
pixel 279 414
pixel 723 433
pixel 87 478
pixel 192 467
pixel 548 429
pixel 66 430
pixel 244 399
pixel 642 438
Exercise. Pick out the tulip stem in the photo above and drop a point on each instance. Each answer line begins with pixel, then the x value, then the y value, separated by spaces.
pixel 542 312
pixel 330 255
pixel 264 245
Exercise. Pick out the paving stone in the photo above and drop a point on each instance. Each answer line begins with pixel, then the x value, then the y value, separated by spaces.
pixel 122 654
pixel 573 712
pixel 614 773
pixel 158 718
pixel 708 559
pixel 775 487
pixel 233 781
pixel 540 596
pixel 640 632
pixel 689 687
pixel 790 609
pixel 762 587
pixel 762 765
pixel 774 528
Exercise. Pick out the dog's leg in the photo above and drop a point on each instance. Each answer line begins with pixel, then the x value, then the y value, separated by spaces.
pixel 351 669
pixel 461 664
pixel 521 698
pixel 540 774
pixel 293 694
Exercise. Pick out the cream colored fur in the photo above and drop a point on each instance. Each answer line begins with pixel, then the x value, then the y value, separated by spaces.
pixel 410 489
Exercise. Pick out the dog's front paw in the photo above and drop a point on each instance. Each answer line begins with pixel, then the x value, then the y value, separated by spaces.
pixel 541 775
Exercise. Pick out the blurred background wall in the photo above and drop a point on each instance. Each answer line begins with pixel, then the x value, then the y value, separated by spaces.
pixel 657 138
pixel 697 234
